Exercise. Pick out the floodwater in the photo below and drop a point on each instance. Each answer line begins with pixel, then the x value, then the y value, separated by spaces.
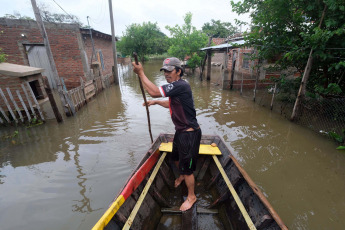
pixel 64 176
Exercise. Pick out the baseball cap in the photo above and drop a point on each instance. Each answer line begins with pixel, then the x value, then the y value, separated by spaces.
pixel 170 64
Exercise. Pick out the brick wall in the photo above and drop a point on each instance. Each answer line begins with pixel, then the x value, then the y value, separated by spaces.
pixel 100 44
pixel 248 73
pixel 63 39
pixel 218 41
pixel 218 58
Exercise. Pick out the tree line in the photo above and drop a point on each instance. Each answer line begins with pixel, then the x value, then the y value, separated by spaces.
pixel 292 32
pixel 283 32
pixel 185 40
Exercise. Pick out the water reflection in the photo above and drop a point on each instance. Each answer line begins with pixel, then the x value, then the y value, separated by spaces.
pixel 83 205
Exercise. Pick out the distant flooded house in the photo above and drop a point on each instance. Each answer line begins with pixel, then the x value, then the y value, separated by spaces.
pixel 71 46
pixel 239 69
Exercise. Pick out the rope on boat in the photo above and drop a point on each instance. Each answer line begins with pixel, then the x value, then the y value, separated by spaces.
pixel 234 194
pixel 135 210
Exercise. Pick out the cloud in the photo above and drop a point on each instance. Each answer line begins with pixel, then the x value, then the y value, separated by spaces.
pixel 132 11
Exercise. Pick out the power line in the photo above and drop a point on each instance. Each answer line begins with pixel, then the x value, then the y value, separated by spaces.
pixel 62 9
pixel 101 13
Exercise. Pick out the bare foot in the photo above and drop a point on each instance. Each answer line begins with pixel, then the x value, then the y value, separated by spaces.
pixel 188 203
pixel 178 181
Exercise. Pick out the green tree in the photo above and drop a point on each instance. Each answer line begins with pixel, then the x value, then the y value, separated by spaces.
pixel 48 16
pixel 2 55
pixel 219 29
pixel 17 15
pixel 186 41
pixel 286 31
pixel 143 39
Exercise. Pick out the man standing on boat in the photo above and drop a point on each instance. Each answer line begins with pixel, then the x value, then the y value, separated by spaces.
pixel 188 133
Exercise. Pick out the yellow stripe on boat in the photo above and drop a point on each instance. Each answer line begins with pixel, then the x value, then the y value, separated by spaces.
pixel 108 215
pixel 204 149
pixel 237 199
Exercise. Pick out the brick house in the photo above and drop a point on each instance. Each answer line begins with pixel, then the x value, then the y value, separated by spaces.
pixel 239 69
pixel 71 47
pixel 218 41
pixel 243 71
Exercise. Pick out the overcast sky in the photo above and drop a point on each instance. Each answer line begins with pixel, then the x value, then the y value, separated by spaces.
pixel 127 12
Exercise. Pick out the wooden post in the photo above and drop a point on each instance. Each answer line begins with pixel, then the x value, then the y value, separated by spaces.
pixel 52 101
pixel 68 99
pixel 303 85
pixel 49 52
pixel 115 71
pixel 205 58
pixel 234 57
pixel 80 99
pixel 257 78
pixel 8 105
pixel 75 97
pixel 256 86
pixel 209 57
pixel 241 83
pixel 83 88
pixel 23 104
pixel 15 104
pixel 225 72
pixel 274 92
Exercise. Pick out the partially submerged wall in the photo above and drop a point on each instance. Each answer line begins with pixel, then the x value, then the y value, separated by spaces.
pixel 63 38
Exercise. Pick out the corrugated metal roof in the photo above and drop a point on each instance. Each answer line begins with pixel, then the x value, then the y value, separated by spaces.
pixel 224 46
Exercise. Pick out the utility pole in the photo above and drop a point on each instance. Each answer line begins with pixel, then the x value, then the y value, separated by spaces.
pixel 50 57
pixel 93 44
pixel 205 58
pixel 116 77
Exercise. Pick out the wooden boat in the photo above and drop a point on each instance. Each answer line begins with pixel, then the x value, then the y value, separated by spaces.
pixel 226 196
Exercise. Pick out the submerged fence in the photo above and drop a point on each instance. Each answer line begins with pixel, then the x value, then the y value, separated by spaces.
pixel 29 110
pixel 79 96
pixel 322 115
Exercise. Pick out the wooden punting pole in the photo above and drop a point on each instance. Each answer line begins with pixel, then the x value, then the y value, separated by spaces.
pixel 144 97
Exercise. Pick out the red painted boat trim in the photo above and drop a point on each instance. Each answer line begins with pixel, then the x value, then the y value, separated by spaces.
pixel 139 175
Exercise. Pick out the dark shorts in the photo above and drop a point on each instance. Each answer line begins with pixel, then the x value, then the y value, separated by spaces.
pixel 186 150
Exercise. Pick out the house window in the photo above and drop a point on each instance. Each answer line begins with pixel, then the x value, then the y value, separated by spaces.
pixel 246 60
pixel 274 59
